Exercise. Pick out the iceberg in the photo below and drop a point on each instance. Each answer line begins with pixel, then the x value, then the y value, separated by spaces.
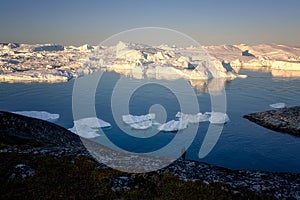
pixel 89 127
pixel 132 119
pixel 173 125
pixel 43 115
pixel 142 125
pixel 217 117
pixel 278 105
pixel 57 63
pixel 140 122
pixel 190 118
pixel 85 131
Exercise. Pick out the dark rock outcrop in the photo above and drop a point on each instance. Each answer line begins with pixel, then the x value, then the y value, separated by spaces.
pixel 31 150
pixel 283 120
pixel 247 53
pixel 15 128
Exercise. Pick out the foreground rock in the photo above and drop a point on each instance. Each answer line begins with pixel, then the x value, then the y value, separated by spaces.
pixel 41 158
pixel 282 120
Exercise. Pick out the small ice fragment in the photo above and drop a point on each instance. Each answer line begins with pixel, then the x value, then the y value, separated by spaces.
pixel 43 115
pixel 142 125
pixel 173 126
pixel 131 119
pixel 218 117
pixel 89 127
pixel 84 131
pixel 190 118
pixel 93 122
pixel 278 105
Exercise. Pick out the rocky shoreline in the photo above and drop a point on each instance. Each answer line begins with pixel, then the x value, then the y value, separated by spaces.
pixel 33 139
pixel 282 120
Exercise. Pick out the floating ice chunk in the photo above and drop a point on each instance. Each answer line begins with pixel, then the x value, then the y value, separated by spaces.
pixel 89 127
pixel 278 105
pixel 173 125
pixel 43 115
pixel 190 118
pixel 218 117
pixel 132 119
pixel 93 122
pixel 84 131
pixel 142 125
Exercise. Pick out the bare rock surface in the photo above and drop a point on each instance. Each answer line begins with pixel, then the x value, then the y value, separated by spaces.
pixel 283 120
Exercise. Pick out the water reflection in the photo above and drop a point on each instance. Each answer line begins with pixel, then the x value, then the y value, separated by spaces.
pixel 284 73
pixel 273 72
pixel 212 86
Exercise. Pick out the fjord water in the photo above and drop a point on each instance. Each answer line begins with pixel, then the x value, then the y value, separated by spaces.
pixel 242 144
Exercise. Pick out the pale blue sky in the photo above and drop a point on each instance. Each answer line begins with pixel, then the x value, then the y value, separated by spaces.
pixel 210 22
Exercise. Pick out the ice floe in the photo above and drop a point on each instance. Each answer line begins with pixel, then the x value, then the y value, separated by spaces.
pixel 217 117
pixel 131 119
pixel 278 105
pixel 142 125
pixel 173 125
pixel 190 118
pixel 141 122
pixel 39 115
pixel 89 127
pixel 212 117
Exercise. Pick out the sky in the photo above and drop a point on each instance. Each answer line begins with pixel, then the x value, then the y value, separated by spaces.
pixel 210 22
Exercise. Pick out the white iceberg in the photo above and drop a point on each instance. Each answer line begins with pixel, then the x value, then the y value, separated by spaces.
pixel 142 125
pixel 132 119
pixel 140 122
pixel 84 131
pixel 173 125
pixel 190 118
pixel 43 115
pixel 217 117
pixel 278 105
pixel 89 127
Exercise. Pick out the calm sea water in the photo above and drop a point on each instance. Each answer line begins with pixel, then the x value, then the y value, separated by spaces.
pixel 242 144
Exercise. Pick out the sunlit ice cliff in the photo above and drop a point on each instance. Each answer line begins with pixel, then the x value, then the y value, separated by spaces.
pixel 57 63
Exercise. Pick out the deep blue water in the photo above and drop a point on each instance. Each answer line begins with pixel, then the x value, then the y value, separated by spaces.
pixel 242 144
